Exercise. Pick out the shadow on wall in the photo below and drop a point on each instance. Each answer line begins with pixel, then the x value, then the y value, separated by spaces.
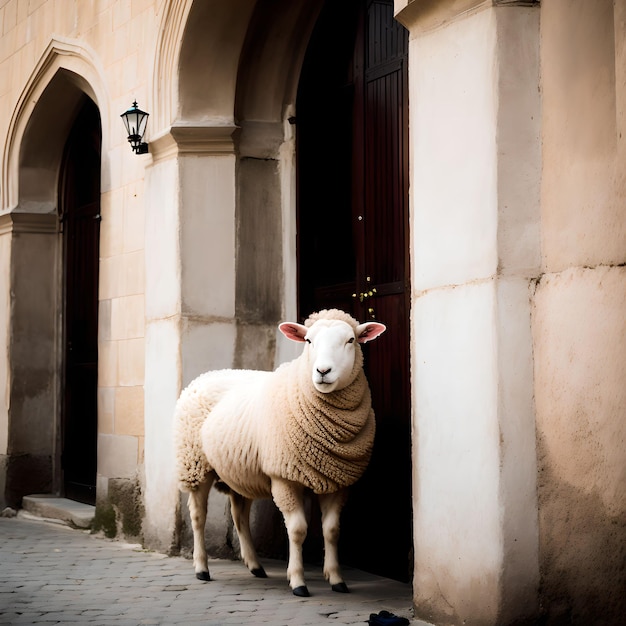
pixel 582 554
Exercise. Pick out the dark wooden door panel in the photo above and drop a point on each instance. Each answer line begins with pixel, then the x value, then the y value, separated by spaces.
pixel 353 245
pixel 385 199
pixel 80 216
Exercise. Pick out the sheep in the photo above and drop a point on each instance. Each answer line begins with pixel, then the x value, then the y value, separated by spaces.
pixel 307 426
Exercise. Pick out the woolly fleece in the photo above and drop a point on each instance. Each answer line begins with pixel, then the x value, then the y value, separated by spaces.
pixel 249 426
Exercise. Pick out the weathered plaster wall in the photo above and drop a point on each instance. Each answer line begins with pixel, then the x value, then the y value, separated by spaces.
pixel 580 369
pixel 579 316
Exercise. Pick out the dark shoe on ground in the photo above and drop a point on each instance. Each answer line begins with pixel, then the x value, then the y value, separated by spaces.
pixel 385 618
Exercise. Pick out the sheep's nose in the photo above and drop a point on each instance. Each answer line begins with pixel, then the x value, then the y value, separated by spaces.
pixel 324 372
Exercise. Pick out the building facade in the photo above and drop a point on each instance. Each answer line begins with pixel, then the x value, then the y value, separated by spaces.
pixel 457 166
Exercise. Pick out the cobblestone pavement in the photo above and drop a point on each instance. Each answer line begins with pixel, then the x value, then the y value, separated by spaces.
pixel 52 574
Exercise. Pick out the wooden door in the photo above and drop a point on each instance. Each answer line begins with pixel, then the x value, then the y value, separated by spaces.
pixel 353 244
pixel 80 218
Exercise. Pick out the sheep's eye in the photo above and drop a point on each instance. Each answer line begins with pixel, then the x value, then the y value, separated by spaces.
pixel 307 340
pixel 351 340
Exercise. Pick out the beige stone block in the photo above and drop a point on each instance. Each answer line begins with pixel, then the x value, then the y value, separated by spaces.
pixel 111 227
pixel 127 317
pixel 21 34
pixel 5 81
pixel 130 74
pixel 36 5
pixel 110 283
pixel 131 362
pixel 107 363
pixel 118 157
pixel 106 6
pixel 10 17
pixel 211 346
pixel 116 71
pixel 140 25
pixel 121 14
pixel 119 50
pixel 86 19
pixel 129 412
pixel 134 168
pixel 207 237
pixel 106 409
pixel 16 80
pixel 24 8
pixel 134 236
pixel 140 6
pixel 134 273
pixel 28 57
pixel 117 456
pixel 64 21
pixel 104 320
pixel 5 102
pixel 98 36
pixel 122 275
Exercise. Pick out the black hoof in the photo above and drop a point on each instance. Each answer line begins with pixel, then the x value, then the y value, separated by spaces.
pixel 340 588
pixel 203 576
pixel 259 572
pixel 301 592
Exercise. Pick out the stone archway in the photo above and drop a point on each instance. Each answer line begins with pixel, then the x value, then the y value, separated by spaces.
pixel 31 253
pixel 63 60
pixel 223 171
pixel 224 156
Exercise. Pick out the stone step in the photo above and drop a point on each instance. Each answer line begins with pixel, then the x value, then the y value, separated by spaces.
pixel 53 507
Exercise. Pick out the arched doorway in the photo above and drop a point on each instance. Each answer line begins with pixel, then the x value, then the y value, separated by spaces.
pixel 79 212
pixel 352 150
pixel 38 131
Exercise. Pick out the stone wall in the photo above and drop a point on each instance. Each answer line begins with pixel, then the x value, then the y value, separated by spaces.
pixel 579 313
pixel 49 57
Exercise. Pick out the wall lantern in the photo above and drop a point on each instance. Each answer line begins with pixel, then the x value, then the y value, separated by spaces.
pixel 135 121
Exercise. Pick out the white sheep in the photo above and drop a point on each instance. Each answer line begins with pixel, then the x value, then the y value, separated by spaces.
pixel 307 425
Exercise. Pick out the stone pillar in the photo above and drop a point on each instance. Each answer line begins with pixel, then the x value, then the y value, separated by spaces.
pixel 190 294
pixel 475 174
pixel 28 400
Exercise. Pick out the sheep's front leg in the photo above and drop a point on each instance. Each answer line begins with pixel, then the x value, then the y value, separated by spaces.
pixel 198 502
pixel 240 509
pixel 331 505
pixel 288 497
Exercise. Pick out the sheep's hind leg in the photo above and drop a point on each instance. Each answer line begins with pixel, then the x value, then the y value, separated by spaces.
pixel 288 498
pixel 240 509
pixel 198 502
pixel 331 505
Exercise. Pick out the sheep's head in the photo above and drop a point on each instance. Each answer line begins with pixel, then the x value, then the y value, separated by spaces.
pixel 332 347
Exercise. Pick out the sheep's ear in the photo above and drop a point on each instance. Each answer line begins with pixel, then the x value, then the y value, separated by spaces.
pixel 368 331
pixel 293 331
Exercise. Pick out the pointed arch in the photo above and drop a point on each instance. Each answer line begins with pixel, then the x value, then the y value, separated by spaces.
pixel 64 62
